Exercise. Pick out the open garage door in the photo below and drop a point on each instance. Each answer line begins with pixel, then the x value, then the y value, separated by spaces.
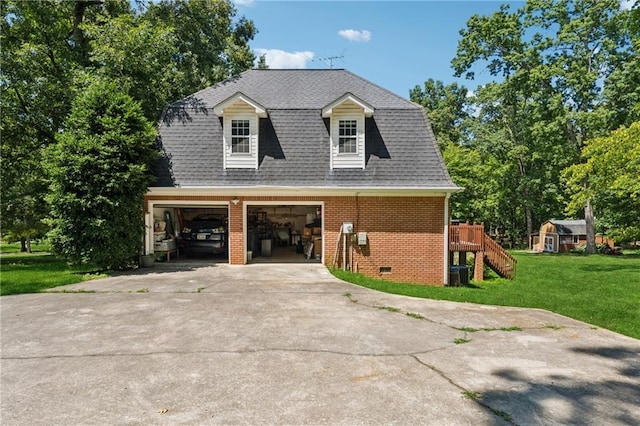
pixel 189 232
pixel 284 233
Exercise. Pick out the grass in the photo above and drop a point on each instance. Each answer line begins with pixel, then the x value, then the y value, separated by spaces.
pixel 38 271
pixel 597 289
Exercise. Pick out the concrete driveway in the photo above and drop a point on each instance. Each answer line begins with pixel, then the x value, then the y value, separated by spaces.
pixel 290 344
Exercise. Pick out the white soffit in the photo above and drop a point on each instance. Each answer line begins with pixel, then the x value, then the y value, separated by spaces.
pixel 348 97
pixel 240 97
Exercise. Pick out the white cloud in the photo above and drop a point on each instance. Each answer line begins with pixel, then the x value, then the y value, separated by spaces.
pixel 627 4
pixel 279 59
pixel 243 2
pixel 355 35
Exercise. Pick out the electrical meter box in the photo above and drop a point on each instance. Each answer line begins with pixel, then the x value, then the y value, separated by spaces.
pixel 362 238
pixel 347 227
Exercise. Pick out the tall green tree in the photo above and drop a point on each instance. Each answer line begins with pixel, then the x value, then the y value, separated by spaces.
pixel 100 171
pixel 212 43
pixel 446 107
pixel 37 61
pixel 612 170
pixel 554 57
pixel 51 50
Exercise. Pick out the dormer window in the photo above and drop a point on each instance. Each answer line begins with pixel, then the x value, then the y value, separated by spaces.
pixel 346 136
pixel 240 122
pixel 240 137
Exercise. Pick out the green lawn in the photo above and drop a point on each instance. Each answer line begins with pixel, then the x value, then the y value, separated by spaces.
pixel 32 273
pixel 600 290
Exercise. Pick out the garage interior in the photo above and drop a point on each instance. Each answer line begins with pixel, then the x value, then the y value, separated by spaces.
pixel 284 233
pixel 169 222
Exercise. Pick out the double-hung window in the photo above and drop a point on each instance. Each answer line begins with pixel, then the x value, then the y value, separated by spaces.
pixel 240 133
pixel 347 137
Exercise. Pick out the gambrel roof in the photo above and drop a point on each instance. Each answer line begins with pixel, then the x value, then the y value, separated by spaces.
pixel 400 149
pixel 570 227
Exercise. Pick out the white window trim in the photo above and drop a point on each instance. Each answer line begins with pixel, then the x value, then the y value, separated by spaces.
pixel 231 120
pixel 335 113
pixel 357 135
pixel 334 140
pixel 254 126
pixel 255 112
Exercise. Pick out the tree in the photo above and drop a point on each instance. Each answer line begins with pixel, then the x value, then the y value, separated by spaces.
pixel 35 93
pixel 446 107
pixel 211 44
pixel 52 50
pixel 554 57
pixel 100 170
pixel 262 62
pixel 38 61
pixel 611 168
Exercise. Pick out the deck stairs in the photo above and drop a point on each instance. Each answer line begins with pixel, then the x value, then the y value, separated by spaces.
pixel 466 237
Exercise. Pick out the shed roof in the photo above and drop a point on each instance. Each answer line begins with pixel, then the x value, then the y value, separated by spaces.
pixel 570 227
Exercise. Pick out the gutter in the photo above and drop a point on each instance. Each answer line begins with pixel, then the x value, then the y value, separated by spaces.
pixel 316 191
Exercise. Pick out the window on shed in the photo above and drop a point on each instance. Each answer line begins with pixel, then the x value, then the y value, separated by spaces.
pixel 347 137
pixel 240 132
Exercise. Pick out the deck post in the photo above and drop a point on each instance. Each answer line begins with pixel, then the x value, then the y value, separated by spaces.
pixel 478 267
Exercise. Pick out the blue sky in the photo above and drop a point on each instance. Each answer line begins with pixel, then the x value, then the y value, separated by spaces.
pixel 395 44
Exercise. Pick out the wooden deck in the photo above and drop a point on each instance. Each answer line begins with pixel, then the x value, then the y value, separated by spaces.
pixel 466 237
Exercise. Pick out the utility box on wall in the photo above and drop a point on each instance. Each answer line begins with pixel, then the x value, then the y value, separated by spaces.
pixel 362 238
pixel 347 227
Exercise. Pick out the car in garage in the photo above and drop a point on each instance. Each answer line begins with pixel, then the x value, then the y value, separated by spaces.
pixel 203 235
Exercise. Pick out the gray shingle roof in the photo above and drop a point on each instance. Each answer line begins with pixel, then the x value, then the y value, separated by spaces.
pixel 299 89
pixel 401 150
pixel 570 227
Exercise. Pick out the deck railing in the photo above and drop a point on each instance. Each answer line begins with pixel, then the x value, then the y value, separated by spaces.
pixel 466 237
pixel 499 259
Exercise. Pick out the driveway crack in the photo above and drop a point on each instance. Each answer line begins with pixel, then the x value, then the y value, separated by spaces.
pixel 477 398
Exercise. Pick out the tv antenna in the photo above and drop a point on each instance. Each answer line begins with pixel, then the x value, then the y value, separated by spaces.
pixel 329 59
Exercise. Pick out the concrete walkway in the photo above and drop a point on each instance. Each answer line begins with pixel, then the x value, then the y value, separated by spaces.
pixel 290 344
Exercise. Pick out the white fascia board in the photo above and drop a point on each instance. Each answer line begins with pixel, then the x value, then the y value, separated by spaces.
pixel 328 110
pixel 239 96
pixel 248 191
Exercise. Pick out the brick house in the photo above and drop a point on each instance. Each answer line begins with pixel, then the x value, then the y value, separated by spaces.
pixel 299 153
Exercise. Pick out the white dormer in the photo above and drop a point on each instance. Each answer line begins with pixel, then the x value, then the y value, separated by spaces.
pixel 240 125
pixel 347 114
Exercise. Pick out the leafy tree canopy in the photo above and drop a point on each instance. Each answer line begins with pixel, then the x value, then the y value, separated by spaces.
pixel 568 72
pixel 612 170
pixel 156 52
pixel 99 170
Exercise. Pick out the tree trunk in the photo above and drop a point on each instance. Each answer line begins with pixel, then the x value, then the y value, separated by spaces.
pixel 529 215
pixel 591 228
pixel 23 245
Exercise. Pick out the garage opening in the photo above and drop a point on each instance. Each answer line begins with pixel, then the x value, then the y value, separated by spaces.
pixel 191 233
pixel 284 233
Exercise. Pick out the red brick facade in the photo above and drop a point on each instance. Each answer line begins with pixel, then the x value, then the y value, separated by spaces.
pixel 405 235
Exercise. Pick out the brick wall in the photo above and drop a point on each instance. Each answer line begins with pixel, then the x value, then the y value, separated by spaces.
pixel 404 234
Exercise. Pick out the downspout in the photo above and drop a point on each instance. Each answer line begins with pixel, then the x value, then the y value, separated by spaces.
pixel 148 232
pixel 446 239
